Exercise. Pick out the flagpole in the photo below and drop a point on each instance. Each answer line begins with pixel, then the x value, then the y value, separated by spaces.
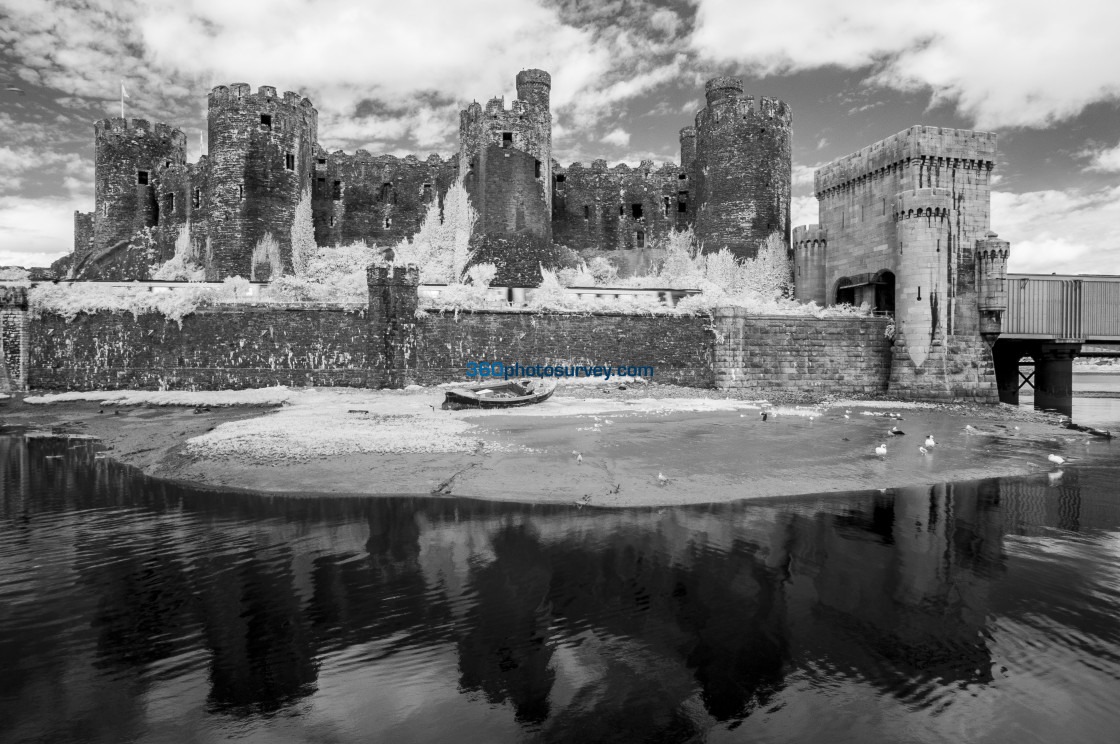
pixel 122 99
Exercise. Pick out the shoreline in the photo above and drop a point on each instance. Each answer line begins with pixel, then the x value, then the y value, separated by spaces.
pixel 637 444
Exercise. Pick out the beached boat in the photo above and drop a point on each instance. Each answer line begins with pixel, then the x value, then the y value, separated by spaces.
pixel 500 394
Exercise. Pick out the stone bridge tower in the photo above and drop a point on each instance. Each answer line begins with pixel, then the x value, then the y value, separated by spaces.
pixel 507 158
pixel 260 158
pixel 742 172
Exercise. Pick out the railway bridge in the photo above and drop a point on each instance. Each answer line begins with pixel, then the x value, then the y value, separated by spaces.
pixel 1051 319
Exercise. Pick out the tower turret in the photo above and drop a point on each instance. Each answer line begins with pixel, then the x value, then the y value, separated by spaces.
pixel 127 154
pixel 688 147
pixel 810 254
pixel 743 168
pixel 260 159
pixel 923 226
pixel 506 156
pixel 991 271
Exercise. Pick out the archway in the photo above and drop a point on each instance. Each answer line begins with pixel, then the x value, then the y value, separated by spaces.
pixel 845 292
pixel 884 291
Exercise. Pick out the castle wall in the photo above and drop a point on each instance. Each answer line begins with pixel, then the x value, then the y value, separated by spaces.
pixel 742 173
pixel 83 234
pixel 593 209
pixel 259 171
pixel 378 200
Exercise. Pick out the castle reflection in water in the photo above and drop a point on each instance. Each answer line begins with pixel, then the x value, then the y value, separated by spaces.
pixel 129 595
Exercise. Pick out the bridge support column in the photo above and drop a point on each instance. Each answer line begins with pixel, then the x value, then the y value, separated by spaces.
pixel 1053 377
pixel 1007 355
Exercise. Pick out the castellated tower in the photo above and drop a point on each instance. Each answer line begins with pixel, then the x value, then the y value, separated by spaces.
pixel 688 147
pixel 507 158
pixel 128 152
pixel 260 160
pixel 743 168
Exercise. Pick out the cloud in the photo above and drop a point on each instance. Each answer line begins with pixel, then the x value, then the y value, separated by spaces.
pixel 1074 232
pixel 804 211
pixel 36 231
pixel 617 136
pixel 803 174
pixel 1105 160
pixel 1002 63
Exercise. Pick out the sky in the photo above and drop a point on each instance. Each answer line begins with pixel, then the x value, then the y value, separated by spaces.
pixel 390 77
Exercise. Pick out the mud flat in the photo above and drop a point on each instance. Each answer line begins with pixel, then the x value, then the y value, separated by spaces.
pixel 597 445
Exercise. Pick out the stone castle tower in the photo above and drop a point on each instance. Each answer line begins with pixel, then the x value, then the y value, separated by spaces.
pixel 507 158
pixel 742 170
pixel 260 166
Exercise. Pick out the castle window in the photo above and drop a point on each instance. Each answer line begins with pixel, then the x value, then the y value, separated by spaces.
pixel 536 169
pixel 166 163
pixel 169 204
pixel 388 222
pixel 561 178
pixel 290 161
pixel 682 201
pixel 322 161
pixel 241 192
pixel 640 239
pixel 332 221
pixel 426 191
pixel 682 176
pixel 507 139
pixel 385 193
pixel 142 178
pixel 586 212
pixel 197 199
pixel 321 180
pixel 266 121
pixel 336 190
pixel 636 211
pixel 621 210
pixel 665 206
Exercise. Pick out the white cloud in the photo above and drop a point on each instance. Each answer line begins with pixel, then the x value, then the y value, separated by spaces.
pixel 804 211
pixel 1075 232
pixel 1002 62
pixel 36 231
pixel 617 136
pixel 1106 160
pixel 803 174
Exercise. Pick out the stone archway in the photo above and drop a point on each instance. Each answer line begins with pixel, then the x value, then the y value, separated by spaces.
pixel 845 293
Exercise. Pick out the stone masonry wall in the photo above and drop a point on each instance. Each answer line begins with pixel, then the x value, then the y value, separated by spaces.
pixel 14 326
pixel 846 356
pixel 216 348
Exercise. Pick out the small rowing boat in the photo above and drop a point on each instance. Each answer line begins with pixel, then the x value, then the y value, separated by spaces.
pixel 500 394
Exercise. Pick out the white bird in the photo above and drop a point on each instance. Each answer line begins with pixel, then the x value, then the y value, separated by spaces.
pixel 896 432
pixel 662 479
pixel 881 450
pixel 1056 459
pixel 847 416
pixel 929 441
pixel 923 450
pixel 579 458
pixel 969 429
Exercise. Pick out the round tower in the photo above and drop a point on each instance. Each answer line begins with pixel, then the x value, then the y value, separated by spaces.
pixel 127 154
pixel 810 253
pixel 991 269
pixel 506 158
pixel 923 228
pixel 260 157
pixel 743 169
pixel 688 147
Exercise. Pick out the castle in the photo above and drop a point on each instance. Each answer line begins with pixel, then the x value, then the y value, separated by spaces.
pixel 732 184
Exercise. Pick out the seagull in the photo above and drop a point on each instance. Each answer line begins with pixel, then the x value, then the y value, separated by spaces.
pixel 1056 459
pixel 969 429
pixel 583 501
pixel 579 458
pixel 661 479
pixel 929 441
pixel 881 450
pixel 764 415
pixel 896 432
pixel 847 416
pixel 923 450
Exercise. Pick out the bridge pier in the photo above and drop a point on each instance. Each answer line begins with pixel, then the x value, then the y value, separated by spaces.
pixel 1053 371
pixel 1053 377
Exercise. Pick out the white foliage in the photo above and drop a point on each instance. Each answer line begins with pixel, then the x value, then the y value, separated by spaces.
pixel 186 265
pixel 303 235
pixel 266 255
pixel 92 297
pixel 441 248
pixel 580 276
pixel 480 275
pixel 603 271
pixel 330 274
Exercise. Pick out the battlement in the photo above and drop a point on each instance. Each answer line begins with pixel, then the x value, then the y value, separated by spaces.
pixel 364 157
pixel 923 203
pixel 809 236
pixel 646 166
pixel 138 127
pixel 971 149
pixel 242 93
pixel 533 77
pixel 763 111
pixel 991 250
pixel 688 132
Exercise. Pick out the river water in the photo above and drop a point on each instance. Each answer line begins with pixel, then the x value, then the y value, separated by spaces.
pixel 138 611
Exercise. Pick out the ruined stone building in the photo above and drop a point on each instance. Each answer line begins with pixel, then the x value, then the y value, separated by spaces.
pixel 732 184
